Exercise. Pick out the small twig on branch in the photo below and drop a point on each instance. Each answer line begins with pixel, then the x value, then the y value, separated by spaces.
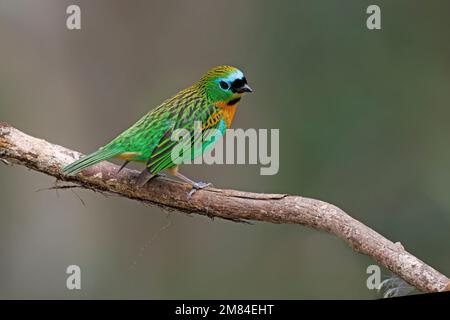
pixel 18 147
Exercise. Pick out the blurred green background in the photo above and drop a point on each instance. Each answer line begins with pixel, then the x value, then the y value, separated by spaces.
pixel 363 118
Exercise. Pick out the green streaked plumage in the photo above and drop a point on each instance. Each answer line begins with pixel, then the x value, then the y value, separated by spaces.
pixel 149 140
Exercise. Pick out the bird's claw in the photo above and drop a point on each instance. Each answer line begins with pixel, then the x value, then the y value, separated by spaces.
pixel 198 186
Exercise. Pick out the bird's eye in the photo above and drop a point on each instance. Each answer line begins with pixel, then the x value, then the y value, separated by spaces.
pixel 224 85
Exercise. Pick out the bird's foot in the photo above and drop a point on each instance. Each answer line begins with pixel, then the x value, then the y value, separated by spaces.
pixel 198 186
pixel 144 177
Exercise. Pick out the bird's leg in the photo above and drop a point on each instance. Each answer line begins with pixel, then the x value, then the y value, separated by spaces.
pixel 144 177
pixel 195 185
pixel 124 165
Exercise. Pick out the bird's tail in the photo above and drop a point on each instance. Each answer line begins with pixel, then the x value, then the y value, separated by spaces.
pixel 89 160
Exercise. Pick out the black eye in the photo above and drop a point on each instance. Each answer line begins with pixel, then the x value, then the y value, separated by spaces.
pixel 224 85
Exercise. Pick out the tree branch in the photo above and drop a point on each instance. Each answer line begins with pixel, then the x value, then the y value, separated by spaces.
pixel 18 147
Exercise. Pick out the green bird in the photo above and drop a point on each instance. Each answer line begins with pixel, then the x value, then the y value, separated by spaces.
pixel 212 101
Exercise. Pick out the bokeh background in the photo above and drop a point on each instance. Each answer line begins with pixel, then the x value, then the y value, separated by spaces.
pixel 363 118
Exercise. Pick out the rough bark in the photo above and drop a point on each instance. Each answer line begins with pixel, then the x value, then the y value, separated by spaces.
pixel 42 156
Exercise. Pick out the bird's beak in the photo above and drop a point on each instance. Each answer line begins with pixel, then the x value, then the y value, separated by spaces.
pixel 244 88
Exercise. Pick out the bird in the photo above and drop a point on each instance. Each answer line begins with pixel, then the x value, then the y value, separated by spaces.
pixel 211 101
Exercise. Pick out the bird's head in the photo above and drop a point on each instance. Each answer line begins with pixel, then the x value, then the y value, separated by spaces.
pixel 224 84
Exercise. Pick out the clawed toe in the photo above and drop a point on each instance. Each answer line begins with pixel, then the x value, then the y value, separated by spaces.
pixel 197 186
pixel 201 185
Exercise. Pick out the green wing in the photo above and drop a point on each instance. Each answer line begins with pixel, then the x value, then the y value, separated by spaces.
pixel 196 110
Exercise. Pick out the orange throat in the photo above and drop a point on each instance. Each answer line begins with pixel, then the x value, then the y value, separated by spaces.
pixel 228 112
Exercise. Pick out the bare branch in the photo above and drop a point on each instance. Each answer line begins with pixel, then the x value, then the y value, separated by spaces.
pixel 20 148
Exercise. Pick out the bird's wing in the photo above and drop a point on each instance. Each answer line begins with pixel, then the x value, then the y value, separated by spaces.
pixel 187 114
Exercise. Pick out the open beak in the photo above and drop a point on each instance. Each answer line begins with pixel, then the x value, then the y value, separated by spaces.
pixel 244 88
